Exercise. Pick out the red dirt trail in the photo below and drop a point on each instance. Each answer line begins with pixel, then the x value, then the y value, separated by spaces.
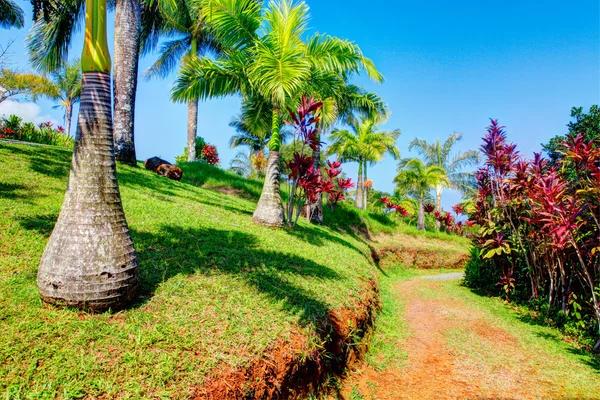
pixel 436 368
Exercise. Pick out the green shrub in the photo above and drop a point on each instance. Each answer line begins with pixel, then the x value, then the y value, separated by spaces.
pixel 12 128
pixel 480 274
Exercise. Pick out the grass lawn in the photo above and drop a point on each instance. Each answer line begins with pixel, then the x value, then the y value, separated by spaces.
pixel 215 289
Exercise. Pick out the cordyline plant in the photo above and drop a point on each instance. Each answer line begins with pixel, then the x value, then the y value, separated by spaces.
pixel 306 182
pixel 390 205
pixel 532 215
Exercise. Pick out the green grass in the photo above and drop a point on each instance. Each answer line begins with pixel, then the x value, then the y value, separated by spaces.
pixel 215 289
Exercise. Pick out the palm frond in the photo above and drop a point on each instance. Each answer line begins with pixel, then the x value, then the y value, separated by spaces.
pixel 171 53
pixel 11 15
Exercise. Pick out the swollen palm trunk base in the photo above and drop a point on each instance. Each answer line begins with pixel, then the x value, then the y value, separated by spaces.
pixel 269 210
pixel 89 261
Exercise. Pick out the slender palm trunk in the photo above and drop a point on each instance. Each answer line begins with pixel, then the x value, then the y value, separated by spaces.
pixel 68 117
pixel 269 210
pixel 438 203
pixel 128 24
pixel 192 130
pixel 366 189
pixel 89 261
pixel 421 218
pixel 358 201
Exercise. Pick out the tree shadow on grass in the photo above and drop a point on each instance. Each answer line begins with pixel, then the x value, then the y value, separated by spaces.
pixel 42 224
pixel 175 251
pixel 318 237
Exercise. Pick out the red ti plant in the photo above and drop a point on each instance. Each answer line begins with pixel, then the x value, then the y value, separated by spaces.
pixel 209 154
pixel 305 182
pixel 429 208
pixel 335 186
pixel 390 205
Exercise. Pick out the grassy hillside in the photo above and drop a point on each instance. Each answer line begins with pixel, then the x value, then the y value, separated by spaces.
pixel 216 290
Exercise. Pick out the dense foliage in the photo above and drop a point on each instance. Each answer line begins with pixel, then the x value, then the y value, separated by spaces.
pixel 540 229
pixel 13 128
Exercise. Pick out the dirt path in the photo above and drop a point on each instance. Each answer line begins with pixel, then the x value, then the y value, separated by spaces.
pixel 456 349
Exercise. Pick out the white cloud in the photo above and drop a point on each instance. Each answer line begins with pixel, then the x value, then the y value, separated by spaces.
pixel 30 112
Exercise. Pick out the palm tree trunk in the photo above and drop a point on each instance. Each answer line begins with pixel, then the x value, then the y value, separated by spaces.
pixel 438 203
pixel 358 201
pixel 68 117
pixel 365 189
pixel 269 210
pixel 192 130
pixel 421 218
pixel 90 261
pixel 128 24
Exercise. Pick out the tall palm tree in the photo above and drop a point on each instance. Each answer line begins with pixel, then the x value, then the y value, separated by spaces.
pixel 275 63
pixel 90 261
pixel 11 15
pixel 414 175
pixel 363 144
pixel 183 24
pixel 67 83
pixel 441 155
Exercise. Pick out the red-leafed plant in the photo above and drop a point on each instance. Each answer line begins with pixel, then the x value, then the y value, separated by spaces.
pixel 210 155
pixel 390 205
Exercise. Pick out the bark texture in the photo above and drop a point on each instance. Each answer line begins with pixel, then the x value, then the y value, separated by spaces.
pixel 269 210
pixel 192 130
pixel 438 203
pixel 68 117
pixel 90 261
pixel 127 41
pixel 358 201
pixel 421 218
pixel 316 208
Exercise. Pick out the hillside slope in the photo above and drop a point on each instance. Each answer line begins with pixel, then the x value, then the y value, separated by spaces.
pixel 217 292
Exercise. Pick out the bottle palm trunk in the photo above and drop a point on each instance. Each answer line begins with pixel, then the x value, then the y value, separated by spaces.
pixel 421 218
pixel 192 130
pixel 269 210
pixel 68 117
pixel 90 261
pixel 358 201
pixel 127 42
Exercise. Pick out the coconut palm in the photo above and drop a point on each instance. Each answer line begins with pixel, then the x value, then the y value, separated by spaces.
pixel 89 261
pixel 274 63
pixel 363 144
pixel 414 175
pixel 441 155
pixel 11 15
pixel 67 84
pixel 188 37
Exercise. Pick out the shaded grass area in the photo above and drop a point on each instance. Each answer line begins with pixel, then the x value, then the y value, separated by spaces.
pixel 215 289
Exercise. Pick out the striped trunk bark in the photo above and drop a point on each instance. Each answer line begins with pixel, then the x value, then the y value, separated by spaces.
pixel 192 130
pixel 90 261
pixel 358 201
pixel 127 41
pixel 269 210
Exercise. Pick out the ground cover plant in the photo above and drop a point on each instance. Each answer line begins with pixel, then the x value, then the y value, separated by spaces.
pixel 213 291
pixel 13 128
pixel 539 229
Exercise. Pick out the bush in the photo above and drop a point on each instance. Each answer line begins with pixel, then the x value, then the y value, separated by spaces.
pixel 13 128
pixel 480 274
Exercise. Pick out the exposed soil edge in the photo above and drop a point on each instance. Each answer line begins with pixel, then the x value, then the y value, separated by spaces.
pixel 421 258
pixel 290 369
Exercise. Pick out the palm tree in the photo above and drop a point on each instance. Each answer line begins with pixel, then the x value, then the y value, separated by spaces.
pixel 189 38
pixel 11 15
pixel 67 83
pixel 275 64
pixel 414 175
pixel 90 261
pixel 441 155
pixel 363 144
pixel 50 38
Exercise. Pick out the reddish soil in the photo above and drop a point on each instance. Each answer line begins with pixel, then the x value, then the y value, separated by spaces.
pixel 290 369
pixel 435 369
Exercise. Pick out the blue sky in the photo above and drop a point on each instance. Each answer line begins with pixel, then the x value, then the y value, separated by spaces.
pixel 449 67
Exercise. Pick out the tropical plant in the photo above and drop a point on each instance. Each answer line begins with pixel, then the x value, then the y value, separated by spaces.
pixel 16 86
pixel 364 144
pixel 441 154
pixel 210 155
pixel 200 143
pixel 414 175
pixel 540 230
pixel 184 26
pixel 13 128
pixel 90 261
pixel 11 15
pixel 67 83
